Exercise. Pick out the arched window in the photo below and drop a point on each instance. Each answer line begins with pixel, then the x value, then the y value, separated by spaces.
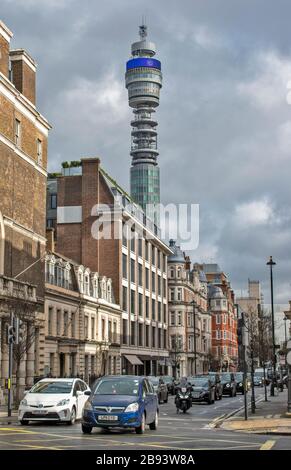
pixel 179 272
pixel 81 279
pixel 95 285
pixel 87 282
pixel 2 244
pixel 109 291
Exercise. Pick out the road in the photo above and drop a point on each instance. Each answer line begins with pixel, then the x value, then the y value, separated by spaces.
pixel 192 431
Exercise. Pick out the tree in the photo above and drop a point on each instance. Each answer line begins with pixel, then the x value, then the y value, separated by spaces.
pixel 176 351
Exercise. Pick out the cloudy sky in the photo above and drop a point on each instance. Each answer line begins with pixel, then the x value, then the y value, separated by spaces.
pixel 224 117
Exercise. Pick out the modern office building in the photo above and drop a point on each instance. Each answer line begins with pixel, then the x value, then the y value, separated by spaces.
pixel 143 80
pixel 23 162
pixel 100 227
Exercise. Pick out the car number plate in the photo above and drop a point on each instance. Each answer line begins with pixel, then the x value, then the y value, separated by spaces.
pixel 107 418
pixel 196 395
pixel 39 412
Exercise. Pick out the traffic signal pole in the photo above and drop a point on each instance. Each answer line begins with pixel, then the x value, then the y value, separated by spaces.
pixel 10 369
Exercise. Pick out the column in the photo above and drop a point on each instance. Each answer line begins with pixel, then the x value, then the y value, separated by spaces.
pixel 30 357
pixel 67 365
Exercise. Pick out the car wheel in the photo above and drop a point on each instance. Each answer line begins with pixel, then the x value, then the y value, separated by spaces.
pixel 73 416
pixel 154 424
pixel 24 422
pixel 86 429
pixel 141 428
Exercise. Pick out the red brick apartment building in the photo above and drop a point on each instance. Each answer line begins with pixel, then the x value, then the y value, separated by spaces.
pixel 23 164
pixel 136 262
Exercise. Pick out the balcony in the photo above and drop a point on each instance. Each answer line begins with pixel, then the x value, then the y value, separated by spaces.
pixel 12 289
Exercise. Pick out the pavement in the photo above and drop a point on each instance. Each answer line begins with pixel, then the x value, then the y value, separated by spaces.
pixel 270 417
pixel 195 430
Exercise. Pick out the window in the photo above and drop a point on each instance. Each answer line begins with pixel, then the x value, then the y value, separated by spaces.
pixel 39 151
pixel 132 270
pixel 124 235
pixel 172 318
pixel 53 201
pixel 110 331
pixel 147 336
pixel 124 331
pixel 217 319
pixel 86 327
pixel 50 321
pixel 59 319
pixel 217 303
pixel 147 312
pixel 165 313
pixel 153 255
pixel 140 274
pixel 172 272
pixel 172 294
pixel 159 311
pixel 159 338
pixel 140 334
pixel 87 285
pixel 140 247
pixel 132 241
pixel 103 328
pixel 147 274
pixel 224 334
pixel 159 285
pixel 132 333
pixel 178 272
pixel 179 294
pixel 17 132
pixel 153 309
pixel 217 334
pixel 132 301
pixel 140 305
pixel 124 299
pixel 179 319
pixel 153 282
pixel 165 339
pixel 224 319
pixel 164 263
pixel 146 250
pixel 124 266
pixel 73 326
pixel 92 328
pixel 153 337
pixel 159 258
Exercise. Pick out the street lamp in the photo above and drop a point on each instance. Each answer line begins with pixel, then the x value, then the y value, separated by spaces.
pixel 194 327
pixel 272 263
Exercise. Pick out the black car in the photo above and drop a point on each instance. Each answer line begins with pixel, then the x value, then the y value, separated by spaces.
pixel 203 389
pixel 169 381
pixel 239 378
pixel 228 383
pixel 216 379
pixel 160 388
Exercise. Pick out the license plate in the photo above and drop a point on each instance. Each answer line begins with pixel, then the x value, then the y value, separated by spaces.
pixel 196 395
pixel 107 418
pixel 39 412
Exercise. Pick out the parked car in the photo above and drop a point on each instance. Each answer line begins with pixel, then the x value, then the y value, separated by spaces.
pixel 54 400
pixel 228 384
pixel 203 389
pixel 121 402
pixel 215 377
pixel 160 388
pixel 169 381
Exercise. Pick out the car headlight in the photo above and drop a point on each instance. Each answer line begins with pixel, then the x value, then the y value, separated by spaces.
pixel 23 402
pixel 240 384
pixel 88 406
pixel 132 407
pixel 64 402
pixel 227 385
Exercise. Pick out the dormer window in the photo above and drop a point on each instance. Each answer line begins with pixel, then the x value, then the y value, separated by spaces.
pixel 179 272
pixel 86 284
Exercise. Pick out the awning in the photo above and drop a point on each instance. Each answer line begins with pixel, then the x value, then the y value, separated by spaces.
pixel 134 360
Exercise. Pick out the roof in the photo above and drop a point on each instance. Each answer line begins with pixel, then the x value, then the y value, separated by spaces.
pixel 215 292
pixel 178 255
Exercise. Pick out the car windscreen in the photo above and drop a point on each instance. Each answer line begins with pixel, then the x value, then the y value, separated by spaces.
pixel 117 387
pixel 199 383
pixel 239 376
pixel 167 380
pixel 226 377
pixel 154 380
pixel 52 387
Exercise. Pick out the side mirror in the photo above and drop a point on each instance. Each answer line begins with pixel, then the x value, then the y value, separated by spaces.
pixel 87 393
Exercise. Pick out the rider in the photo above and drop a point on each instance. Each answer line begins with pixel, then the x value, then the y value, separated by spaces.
pixel 183 384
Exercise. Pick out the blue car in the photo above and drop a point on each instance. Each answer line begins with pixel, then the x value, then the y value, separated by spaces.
pixel 123 401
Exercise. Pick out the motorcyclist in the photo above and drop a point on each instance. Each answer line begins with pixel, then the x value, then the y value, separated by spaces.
pixel 182 385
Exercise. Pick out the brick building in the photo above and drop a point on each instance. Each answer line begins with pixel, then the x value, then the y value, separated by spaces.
pixel 224 318
pixel 82 321
pixel 132 255
pixel 189 317
pixel 23 163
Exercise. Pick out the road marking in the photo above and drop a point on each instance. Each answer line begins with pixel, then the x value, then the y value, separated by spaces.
pixel 29 446
pixel 17 430
pixel 267 445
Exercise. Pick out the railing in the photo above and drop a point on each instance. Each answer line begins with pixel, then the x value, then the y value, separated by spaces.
pixel 12 288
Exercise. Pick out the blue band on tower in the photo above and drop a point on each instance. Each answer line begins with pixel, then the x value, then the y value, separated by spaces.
pixel 143 62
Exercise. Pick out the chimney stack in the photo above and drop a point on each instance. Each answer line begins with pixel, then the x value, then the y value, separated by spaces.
pixel 23 69
pixel 5 36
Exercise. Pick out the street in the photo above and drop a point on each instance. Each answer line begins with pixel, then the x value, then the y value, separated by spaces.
pixel 192 431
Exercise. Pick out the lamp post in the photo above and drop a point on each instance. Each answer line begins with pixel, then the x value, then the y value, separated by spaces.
pixel 272 263
pixel 194 327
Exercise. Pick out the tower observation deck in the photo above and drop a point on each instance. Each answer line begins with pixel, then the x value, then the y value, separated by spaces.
pixel 143 79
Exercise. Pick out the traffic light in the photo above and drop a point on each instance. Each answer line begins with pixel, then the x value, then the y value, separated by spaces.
pixel 11 334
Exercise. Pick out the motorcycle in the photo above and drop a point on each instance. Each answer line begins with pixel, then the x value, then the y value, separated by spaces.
pixel 183 399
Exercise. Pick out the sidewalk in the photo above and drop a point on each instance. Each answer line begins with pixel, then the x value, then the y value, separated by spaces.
pixel 4 420
pixel 270 418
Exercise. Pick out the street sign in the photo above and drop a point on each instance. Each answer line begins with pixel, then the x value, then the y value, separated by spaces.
pixel 288 358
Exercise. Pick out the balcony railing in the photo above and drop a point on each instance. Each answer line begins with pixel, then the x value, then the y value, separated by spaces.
pixel 13 289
